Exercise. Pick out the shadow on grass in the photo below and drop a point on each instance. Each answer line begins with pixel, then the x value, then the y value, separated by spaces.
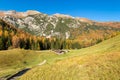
pixel 20 73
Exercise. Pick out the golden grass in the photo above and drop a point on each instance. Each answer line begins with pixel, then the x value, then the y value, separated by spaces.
pixel 95 67
pixel 99 62
pixel 14 60
pixel 92 63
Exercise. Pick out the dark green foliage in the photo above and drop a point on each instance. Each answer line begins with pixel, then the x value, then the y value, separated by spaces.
pixel 5 42
pixel 49 27
pixel 22 42
pixel 76 45
pixel 99 40
pixel 9 42
pixel 1 44
pixel 27 44
pixel 41 45
pixel 61 27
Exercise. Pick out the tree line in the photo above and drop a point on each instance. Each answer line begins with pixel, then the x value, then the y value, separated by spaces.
pixel 9 40
pixel 11 37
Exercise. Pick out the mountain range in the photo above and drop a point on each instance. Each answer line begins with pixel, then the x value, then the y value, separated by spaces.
pixel 58 25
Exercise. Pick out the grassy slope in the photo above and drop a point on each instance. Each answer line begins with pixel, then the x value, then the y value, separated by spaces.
pixel 14 60
pixel 99 62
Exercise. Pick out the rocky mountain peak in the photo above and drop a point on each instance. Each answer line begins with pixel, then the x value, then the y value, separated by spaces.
pixel 62 15
pixel 32 12
pixel 11 12
pixel 84 19
pixel 18 14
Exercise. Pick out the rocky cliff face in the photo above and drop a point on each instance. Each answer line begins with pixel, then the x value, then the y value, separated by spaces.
pixel 58 25
pixel 18 14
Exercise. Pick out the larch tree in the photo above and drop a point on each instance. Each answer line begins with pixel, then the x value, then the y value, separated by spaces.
pixel 15 41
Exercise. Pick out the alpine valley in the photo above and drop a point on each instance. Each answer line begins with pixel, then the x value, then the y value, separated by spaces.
pixel 37 46
pixel 61 26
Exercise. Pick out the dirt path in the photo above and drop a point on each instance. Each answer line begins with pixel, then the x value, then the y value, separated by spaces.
pixel 20 73
pixel 42 62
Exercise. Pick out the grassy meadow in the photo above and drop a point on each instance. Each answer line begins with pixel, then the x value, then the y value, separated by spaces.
pixel 99 62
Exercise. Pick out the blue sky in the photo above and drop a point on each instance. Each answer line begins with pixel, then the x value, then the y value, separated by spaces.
pixel 99 10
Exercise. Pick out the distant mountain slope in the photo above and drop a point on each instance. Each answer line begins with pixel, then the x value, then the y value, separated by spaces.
pixel 82 30
pixel 101 61
pixel 58 24
pixel 5 26
pixel 13 37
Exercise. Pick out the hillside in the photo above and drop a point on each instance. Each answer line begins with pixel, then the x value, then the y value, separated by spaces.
pixel 99 62
pixel 82 31
pixel 15 60
pixel 106 53
pixel 13 37
pixel 57 25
